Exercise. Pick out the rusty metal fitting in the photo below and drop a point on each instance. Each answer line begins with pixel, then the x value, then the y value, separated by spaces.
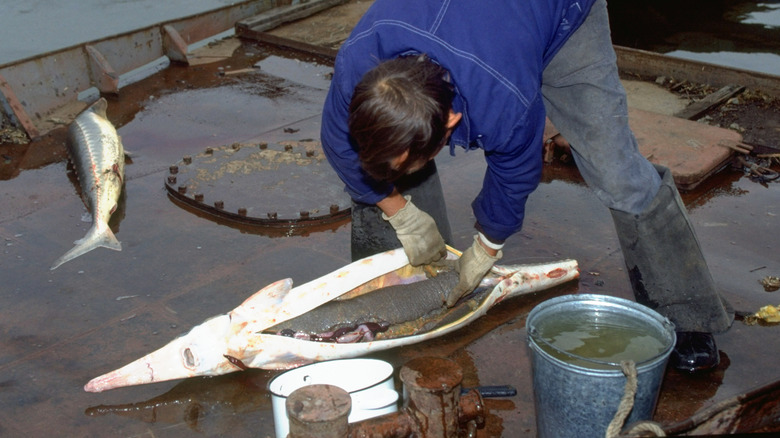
pixel 209 151
pixel 304 214
pixel 471 409
pixel 182 189
pixel 171 180
pixel 173 170
pixel 242 211
pixel 399 424
pixel 219 205
pixel 187 159
pixel 434 407
pixel 288 148
pixel 433 386
pixel 199 197
pixel 263 146
pixel 318 411
pixel 334 208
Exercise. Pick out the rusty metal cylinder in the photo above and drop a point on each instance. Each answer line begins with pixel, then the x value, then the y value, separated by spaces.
pixel 433 388
pixel 318 411
pixel 396 425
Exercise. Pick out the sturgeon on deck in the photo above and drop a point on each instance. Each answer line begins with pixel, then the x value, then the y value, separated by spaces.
pixel 237 340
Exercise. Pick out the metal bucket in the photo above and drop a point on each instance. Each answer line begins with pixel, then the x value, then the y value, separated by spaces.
pixel 577 343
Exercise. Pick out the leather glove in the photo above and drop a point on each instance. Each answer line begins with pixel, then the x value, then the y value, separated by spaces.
pixel 472 266
pixel 418 234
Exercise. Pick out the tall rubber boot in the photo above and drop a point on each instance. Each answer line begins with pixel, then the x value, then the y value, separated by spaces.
pixel 371 234
pixel 668 273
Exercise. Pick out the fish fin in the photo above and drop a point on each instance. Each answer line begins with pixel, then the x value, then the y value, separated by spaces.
pixel 129 155
pixel 260 310
pixel 97 236
pixel 99 107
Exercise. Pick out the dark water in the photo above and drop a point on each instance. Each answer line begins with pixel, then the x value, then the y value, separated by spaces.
pixel 736 33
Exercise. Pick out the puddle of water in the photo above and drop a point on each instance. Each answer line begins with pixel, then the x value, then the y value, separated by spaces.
pixel 736 33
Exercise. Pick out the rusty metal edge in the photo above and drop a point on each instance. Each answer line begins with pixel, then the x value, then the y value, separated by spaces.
pixel 748 412
pixel 67 72
pixel 644 63
pixel 311 221
pixel 689 183
pixel 285 14
pixel 286 43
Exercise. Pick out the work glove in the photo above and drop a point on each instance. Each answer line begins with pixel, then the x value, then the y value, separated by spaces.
pixel 418 234
pixel 472 266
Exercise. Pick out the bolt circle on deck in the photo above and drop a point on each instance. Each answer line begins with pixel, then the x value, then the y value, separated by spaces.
pixel 285 184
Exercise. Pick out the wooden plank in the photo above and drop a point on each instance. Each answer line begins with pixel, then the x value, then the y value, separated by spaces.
pixel 754 411
pixel 649 64
pixel 285 14
pixel 697 109
pixel 287 43
pixel 692 151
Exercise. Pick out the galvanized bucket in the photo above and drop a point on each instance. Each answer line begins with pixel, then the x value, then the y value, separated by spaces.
pixel 577 379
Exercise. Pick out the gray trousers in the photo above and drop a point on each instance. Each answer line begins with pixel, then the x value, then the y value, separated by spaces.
pixel 586 102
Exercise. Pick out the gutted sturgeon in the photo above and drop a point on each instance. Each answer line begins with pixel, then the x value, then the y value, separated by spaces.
pixel 240 339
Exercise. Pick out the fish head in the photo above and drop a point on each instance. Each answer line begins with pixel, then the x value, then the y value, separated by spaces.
pixel 197 353
pixel 217 346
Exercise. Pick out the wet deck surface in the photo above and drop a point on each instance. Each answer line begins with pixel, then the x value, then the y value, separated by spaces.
pixel 59 329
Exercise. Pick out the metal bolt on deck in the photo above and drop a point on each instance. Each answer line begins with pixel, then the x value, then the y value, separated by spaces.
pixel 289 180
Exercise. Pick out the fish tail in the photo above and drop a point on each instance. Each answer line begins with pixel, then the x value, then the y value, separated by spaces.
pixel 97 236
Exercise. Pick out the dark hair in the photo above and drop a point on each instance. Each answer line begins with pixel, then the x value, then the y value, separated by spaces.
pixel 402 104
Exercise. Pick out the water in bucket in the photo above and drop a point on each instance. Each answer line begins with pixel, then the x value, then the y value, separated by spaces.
pixel 598 340
pixel 577 343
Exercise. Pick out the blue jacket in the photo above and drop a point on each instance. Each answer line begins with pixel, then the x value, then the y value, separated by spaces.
pixel 495 51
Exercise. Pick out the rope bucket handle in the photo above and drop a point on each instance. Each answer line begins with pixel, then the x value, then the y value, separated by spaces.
pixel 642 428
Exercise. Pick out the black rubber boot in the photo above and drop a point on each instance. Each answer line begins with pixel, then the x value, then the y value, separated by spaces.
pixel 694 352
pixel 371 234
pixel 668 273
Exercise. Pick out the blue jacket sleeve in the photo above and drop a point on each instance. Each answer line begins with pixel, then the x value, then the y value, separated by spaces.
pixel 513 172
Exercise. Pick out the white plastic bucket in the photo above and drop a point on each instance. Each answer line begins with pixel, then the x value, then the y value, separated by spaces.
pixel 369 383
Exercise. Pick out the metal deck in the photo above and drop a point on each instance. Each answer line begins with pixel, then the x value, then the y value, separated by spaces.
pixel 58 329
